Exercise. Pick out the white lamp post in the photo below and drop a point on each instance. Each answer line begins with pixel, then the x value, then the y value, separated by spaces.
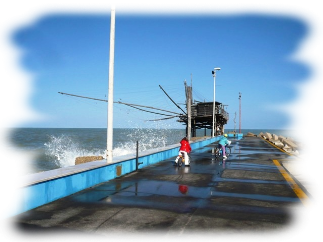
pixel 110 89
pixel 214 117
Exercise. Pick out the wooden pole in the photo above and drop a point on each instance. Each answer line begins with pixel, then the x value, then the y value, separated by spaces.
pixel 189 117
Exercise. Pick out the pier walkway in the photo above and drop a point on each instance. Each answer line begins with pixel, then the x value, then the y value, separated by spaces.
pixel 249 191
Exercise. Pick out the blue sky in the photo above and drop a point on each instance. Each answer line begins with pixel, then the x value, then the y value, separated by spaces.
pixel 70 53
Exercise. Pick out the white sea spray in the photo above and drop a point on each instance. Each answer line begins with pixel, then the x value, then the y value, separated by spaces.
pixel 63 149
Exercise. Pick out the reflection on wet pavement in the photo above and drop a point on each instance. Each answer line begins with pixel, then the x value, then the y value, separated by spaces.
pixel 164 186
pixel 218 179
pixel 256 197
pixel 252 167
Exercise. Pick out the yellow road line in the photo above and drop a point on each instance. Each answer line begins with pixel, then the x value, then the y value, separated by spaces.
pixel 298 191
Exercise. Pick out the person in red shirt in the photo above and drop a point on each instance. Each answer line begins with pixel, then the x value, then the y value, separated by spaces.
pixel 186 149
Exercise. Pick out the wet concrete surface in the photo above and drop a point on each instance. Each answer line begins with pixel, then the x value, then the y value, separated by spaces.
pixel 245 192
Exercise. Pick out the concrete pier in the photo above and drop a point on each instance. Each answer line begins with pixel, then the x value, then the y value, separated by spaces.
pixel 248 191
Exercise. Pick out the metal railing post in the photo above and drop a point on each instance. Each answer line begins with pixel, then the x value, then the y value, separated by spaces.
pixel 137 156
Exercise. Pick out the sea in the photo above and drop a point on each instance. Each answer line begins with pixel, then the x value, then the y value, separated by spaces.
pixel 54 148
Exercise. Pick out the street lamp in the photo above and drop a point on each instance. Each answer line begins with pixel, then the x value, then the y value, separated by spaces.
pixel 214 117
pixel 109 152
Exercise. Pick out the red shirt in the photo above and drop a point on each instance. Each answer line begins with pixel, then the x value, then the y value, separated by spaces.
pixel 185 146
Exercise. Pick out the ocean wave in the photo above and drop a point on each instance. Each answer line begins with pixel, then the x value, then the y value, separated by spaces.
pixel 63 149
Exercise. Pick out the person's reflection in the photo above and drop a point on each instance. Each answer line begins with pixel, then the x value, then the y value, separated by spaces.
pixel 183 170
pixel 223 163
pixel 186 169
pixel 183 189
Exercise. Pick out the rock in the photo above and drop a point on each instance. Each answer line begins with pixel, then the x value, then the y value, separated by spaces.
pixel 268 136
pixel 290 143
pixel 278 143
pixel 291 139
pixel 275 137
pixel 287 148
pixel 85 159
pixel 285 143
pixel 281 138
pixel 294 152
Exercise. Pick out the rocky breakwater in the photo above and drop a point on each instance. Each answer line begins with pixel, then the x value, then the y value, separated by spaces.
pixel 295 148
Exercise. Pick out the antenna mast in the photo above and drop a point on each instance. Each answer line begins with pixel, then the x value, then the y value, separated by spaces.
pixel 239 112
pixel 234 120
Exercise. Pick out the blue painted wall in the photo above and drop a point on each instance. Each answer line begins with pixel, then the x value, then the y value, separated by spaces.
pixel 238 135
pixel 50 190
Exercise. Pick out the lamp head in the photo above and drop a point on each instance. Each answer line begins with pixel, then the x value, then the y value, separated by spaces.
pixel 215 69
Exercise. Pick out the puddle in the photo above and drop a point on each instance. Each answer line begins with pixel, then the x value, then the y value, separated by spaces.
pixel 251 167
pixel 143 189
pixel 247 150
pixel 219 179
pixel 167 188
pixel 259 151
pixel 203 150
pixel 255 197
pixel 247 209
